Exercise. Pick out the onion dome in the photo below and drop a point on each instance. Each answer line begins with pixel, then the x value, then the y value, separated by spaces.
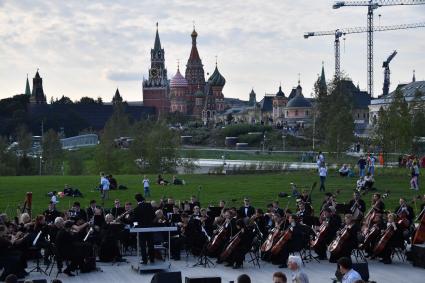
pixel 216 78
pixel 280 92
pixel 178 80
pixel 299 101
pixel 199 92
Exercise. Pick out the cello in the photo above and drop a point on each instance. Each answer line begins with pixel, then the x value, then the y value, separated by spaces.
pixel 419 237
pixel 218 239
pixel 321 234
pixel 271 238
pixel 338 244
pixel 286 236
pixel 389 232
pixel 233 245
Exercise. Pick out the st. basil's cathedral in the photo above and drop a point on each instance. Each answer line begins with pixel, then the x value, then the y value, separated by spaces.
pixel 189 94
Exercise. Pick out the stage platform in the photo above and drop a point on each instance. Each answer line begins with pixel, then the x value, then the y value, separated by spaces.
pixel 317 272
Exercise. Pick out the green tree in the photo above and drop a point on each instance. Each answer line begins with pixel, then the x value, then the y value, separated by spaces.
pixel 7 159
pixel 75 163
pixel 86 100
pixel 52 153
pixel 334 123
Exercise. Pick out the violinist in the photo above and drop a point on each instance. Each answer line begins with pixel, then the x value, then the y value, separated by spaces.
pixel 117 210
pixel 357 206
pixel 405 212
pixel 395 239
pixel 276 208
pixel 295 243
pixel 206 221
pixel 75 213
pixel 331 222
pixel 237 254
pixel 346 239
pixel 328 201
pixel 51 213
pixel 175 217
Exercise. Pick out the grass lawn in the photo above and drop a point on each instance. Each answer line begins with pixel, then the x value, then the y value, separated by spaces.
pixel 262 188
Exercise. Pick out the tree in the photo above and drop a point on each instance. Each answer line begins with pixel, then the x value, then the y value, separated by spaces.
pixel 86 100
pixel 7 159
pixel 75 163
pixel 63 100
pixel 52 152
pixel 335 124
pixel 393 130
pixel 99 100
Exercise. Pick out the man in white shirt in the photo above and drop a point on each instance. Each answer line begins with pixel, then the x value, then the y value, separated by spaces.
pixel 146 188
pixel 345 266
pixel 104 184
pixel 323 171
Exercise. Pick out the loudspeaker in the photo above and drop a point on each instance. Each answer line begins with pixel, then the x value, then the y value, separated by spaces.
pixel 363 269
pixel 167 277
pixel 203 280
pixel 418 255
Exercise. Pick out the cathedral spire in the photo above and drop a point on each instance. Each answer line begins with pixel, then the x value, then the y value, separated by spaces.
pixel 157 45
pixel 27 88
pixel 414 77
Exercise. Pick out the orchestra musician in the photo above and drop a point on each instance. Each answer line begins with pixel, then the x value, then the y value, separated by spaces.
pixel 304 212
pixel 305 197
pixel 109 236
pixel 405 211
pixel 395 239
pixel 143 216
pixel 76 213
pixel 347 240
pixel 357 206
pixel 296 242
pixel 247 210
pixel 276 208
pixel 230 228
pixel 12 259
pixel 378 203
pixel 237 255
pixel 117 210
pixel 333 224
pixel 51 213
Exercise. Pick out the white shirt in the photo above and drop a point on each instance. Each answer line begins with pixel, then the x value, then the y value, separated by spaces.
pixel 146 183
pixel 351 276
pixel 105 184
pixel 54 199
pixel 323 171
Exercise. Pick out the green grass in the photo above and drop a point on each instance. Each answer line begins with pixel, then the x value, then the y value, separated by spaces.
pixel 262 189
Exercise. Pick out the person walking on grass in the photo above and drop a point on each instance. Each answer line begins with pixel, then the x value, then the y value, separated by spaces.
pixel 323 172
pixel 146 188
pixel 414 181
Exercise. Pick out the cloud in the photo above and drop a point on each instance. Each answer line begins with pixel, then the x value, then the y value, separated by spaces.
pixel 119 76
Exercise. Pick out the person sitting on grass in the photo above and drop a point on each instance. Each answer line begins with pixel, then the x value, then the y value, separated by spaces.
pixel 177 181
pixel 369 181
pixel 344 170
pixel 161 181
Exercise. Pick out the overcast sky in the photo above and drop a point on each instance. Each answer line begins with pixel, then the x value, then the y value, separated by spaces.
pixel 89 48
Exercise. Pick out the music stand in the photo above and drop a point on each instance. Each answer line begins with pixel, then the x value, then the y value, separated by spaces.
pixel 203 259
pixel 37 251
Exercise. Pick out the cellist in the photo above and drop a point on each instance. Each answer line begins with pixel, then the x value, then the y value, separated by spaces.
pixel 378 203
pixel 230 227
pixel 237 255
pixel 296 243
pixel 357 206
pixel 347 246
pixel 333 222
pixel 405 211
pixel 395 240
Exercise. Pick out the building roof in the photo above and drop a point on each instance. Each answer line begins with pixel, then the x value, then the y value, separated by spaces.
pixel 216 78
pixel 266 104
pixel 157 45
pixel 299 101
pixel 361 99
pixel 280 92
pixel 408 91
pixel 27 88
pixel 178 80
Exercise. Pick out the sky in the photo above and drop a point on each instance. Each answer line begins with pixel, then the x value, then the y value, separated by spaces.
pixel 89 48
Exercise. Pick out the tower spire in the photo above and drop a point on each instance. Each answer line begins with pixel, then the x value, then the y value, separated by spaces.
pixel 27 88
pixel 157 45
pixel 414 77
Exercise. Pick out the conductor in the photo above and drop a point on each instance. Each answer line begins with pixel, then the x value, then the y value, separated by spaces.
pixel 144 214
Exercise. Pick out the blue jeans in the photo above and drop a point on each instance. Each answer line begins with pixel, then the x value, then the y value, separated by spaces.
pixel 361 173
pixel 372 170
pixel 322 183
pixel 147 192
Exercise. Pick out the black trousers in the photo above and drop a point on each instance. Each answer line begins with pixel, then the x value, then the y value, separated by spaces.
pixel 12 263
pixel 146 241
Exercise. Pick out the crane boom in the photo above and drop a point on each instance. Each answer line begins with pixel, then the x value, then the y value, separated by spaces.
pixel 377 4
pixel 387 73
pixel 340 32
pixel 371 6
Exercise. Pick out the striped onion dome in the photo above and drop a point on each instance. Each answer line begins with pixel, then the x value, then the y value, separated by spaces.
pixel 178 80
